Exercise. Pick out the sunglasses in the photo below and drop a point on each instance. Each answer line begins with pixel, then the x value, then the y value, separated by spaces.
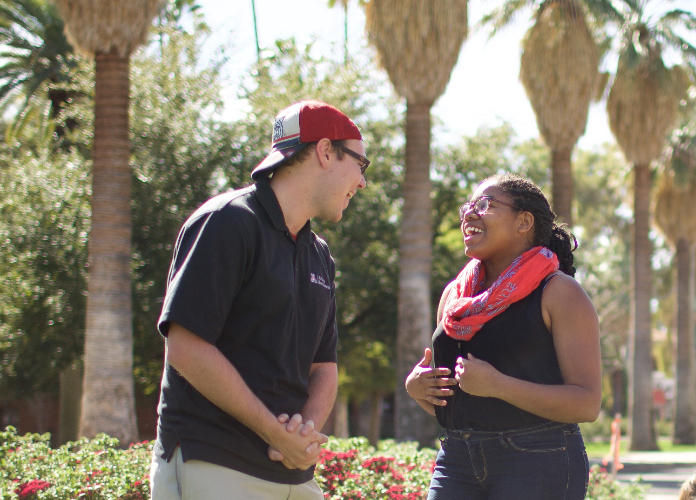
pixel 362 161
pixel 480 206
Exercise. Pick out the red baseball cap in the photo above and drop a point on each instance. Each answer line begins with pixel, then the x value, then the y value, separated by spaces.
pixel 300 124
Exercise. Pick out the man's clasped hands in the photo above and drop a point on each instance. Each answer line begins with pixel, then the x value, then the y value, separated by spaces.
pixel 297 445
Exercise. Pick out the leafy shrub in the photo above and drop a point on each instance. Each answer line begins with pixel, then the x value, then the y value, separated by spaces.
pixel 348 469
pixel 602 486
pixel 85 469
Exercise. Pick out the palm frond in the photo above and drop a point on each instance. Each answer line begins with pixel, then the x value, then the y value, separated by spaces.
pixel 642 105
pixel 34 54
pixel 680 17
pixel 676 189
pixel 105 25
pixel 605 10
pixel 634 6
pixel 503 15
pixel 409 35
pixel 35 113
pixel 559 71
pixel 687 49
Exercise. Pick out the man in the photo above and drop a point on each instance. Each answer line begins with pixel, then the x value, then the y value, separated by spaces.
pixel 250 322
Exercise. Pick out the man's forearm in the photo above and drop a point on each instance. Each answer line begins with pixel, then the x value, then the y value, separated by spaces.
pixel 206 369
pixel 211 374
pixel 323 386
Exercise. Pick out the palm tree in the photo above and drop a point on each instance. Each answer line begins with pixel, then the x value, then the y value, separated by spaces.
pixel 642 108
pixel 418 44
pixel 36 63
pixel 560 72
pixel 676 218
pixel 110 31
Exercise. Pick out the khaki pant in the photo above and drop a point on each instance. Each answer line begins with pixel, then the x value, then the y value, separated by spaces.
pixel 197 480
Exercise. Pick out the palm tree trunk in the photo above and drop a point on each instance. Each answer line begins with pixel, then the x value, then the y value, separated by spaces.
pixel 70 397
pixel 685 413
pixel 414 323
pixel 108 403
pixel 373 433
pixel 341 417
pixel 562 180
pixel 640 359
pixel 618 388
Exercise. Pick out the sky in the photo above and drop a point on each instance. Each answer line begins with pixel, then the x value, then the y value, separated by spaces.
pixel 484 89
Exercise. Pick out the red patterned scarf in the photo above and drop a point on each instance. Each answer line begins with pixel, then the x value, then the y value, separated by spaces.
pixel 465 314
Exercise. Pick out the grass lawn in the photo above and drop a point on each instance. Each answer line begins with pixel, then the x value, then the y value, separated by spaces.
pixel 601 449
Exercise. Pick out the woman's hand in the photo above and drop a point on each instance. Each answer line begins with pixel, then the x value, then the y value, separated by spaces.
pixel 475 377
pixel 429 384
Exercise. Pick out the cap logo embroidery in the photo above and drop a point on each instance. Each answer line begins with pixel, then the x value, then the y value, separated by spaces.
pixel 278 128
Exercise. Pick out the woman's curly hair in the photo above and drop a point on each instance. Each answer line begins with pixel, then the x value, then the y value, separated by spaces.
pixel 547 232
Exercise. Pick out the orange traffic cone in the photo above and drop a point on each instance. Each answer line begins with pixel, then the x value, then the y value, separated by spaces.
pixel 615 447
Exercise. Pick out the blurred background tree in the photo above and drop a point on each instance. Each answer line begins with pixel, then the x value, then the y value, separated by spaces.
pixel 676 218
pixel 44 224
pixel 409 35
pixel 642 108
pixel 559 69
pixel 109 32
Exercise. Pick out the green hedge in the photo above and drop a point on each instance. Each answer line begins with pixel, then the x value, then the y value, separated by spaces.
pixel 349 469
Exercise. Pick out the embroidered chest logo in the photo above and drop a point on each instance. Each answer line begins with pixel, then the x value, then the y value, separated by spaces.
pixel 318 280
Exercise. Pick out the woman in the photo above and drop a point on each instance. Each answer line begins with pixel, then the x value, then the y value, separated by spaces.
pixel 522 341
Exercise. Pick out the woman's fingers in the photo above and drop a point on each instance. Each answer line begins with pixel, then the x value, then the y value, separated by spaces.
pixel 427 357
pixel 438 372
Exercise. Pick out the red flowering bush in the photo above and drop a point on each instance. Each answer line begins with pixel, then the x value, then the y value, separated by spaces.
pixel 86 469
pixel 352 470
pixel 348 469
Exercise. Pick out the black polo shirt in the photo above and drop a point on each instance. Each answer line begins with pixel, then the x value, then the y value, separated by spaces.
pixel 241 282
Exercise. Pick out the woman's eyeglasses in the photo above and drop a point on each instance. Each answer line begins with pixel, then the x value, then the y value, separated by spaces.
pixel 362 161
pixel 480 206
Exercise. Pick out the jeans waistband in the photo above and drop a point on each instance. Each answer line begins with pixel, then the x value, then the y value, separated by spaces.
pixel 466 434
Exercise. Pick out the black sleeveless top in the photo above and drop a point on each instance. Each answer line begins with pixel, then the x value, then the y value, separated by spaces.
pixel 517 343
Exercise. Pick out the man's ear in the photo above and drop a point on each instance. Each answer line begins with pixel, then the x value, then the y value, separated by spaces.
pixel 525 222
pixel 324 151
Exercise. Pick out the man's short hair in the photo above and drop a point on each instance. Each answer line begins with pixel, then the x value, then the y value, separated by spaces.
pixel 304 153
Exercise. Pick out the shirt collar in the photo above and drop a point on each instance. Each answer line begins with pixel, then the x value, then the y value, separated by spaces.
pixel 269 201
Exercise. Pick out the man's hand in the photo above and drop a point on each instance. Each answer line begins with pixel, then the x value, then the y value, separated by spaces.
pixel 300 434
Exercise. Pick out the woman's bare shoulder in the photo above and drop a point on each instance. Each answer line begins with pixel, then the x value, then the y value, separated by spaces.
pixel 564 297
pixel 561 286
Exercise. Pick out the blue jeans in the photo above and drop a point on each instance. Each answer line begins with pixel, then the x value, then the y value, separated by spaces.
pixel 544 462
